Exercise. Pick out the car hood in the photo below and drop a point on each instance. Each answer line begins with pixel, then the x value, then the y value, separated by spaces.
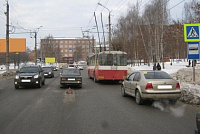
pixel 27 74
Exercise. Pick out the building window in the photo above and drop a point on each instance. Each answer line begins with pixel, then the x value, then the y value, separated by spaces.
pixel 70 55
pixel 61 46
pixel 70 42
pixel 65 50
pixel 65 46
pixel 61 42
pixel 66 42
pixel 66 55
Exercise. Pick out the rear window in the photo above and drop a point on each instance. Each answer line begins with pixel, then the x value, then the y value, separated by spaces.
pixel 70 72
pixel 156 75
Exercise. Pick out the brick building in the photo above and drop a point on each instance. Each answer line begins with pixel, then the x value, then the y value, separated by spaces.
pixel 67 50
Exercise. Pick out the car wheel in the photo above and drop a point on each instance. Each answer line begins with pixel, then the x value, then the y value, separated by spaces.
pixel 43 83
pixel 16 87
pixel 61 86
pixel 123 91
pixel 80 85
pixel 40 84
pixel 138 98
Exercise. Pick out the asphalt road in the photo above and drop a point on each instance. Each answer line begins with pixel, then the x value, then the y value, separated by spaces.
pixel 96 108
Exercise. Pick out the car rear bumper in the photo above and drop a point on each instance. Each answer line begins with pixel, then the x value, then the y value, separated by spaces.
pixel 70 83
pixel 161 95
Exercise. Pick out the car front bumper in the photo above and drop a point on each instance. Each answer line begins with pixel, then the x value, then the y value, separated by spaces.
pixel 21 82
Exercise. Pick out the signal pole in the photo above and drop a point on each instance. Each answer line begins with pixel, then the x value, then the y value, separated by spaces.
pixel 7 37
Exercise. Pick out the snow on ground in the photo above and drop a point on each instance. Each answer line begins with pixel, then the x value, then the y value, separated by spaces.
pixel 179 71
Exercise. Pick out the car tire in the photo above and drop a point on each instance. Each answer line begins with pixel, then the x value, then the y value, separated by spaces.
pixel 80 85
pixel 123 91
pixel 43 83
pixel 16 87
pixel 138 98
pixel 40 84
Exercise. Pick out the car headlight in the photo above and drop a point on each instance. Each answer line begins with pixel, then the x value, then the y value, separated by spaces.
pixel 17 77
pixel 36 76
pixel 49 72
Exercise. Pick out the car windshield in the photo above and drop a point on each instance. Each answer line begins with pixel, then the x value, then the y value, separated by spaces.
pixel 29 70
pixel 156 75
pixel 46 68
pixel 70 72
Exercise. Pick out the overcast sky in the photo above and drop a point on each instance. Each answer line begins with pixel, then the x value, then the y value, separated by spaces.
pixel 65 18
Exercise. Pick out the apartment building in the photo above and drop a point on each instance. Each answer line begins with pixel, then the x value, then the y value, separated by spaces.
pixel 67 50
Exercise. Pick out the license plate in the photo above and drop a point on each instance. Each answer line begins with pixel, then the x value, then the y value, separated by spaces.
pixel 164 86
pixel 26 80
pixel 45 74
pixel 71 79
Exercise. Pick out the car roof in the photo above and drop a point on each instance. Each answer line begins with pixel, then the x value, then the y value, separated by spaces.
pixel 31 66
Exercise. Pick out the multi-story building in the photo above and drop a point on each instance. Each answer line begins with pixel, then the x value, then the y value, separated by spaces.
pixel 67 50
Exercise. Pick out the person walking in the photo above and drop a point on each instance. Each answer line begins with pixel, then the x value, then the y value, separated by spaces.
pixel 154 67
pixel 158 67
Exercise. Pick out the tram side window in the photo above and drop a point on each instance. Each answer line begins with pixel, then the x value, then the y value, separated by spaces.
pixel 106 59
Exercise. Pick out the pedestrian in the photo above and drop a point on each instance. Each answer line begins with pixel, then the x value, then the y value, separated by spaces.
pixel 189 63
pixel 158 67
pixel 154 66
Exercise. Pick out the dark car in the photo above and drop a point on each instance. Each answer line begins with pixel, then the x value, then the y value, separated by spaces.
pixel 48 72
pixel 54 68
pixel 29 76
pixel 70 76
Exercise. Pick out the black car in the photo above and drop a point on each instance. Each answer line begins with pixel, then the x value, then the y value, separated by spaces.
pixel 32 75
pixel 54 68
pixel 48 72
pixel 70 76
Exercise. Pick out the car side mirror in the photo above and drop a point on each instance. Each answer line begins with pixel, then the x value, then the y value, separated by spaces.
pixel 125 78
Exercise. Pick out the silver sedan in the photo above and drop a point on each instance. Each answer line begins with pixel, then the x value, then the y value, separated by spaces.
pixel 151 85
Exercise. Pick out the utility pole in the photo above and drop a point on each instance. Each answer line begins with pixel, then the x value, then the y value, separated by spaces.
pixel 7 37
pixel 108 24
pixel 103 34
pixel 35 48
pixel 109 31
pixel 97 32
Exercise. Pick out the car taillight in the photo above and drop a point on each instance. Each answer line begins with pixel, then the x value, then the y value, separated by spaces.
pixel 149 86
pixel 177 86
pixel 78 79
pixel 63 79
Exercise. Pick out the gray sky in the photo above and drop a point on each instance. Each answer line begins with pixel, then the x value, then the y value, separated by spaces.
pixel 65 18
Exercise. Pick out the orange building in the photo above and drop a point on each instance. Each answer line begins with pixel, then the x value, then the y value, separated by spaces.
pixel 67 50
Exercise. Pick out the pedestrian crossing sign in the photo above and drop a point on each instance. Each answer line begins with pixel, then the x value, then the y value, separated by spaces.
pixel 191 32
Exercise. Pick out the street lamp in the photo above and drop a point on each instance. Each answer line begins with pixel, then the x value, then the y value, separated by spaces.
pixel 109 24
pixel 36 31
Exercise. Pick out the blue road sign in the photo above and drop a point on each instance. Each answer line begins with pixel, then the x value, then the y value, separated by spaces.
pixel 191 32
pixel 193 50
